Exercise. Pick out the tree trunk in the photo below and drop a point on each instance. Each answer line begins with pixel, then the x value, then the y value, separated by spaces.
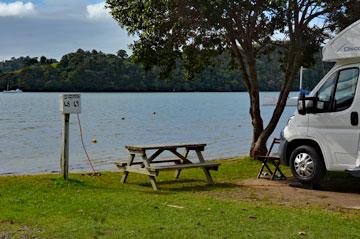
pixel 258 146
pixel 291 72
pixel 255 113
pixel 247 66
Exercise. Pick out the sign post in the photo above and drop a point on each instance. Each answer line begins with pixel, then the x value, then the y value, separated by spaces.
pixel 69 104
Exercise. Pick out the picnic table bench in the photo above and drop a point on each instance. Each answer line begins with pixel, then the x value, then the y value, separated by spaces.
pixel 150 165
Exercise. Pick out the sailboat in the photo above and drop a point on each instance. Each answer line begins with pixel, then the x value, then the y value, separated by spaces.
pixel 11 91
pixel 291 101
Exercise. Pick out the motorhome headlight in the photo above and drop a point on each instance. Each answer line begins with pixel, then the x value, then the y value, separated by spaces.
pixel 290 119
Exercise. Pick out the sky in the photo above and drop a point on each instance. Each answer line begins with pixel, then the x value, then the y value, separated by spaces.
pixel 53 28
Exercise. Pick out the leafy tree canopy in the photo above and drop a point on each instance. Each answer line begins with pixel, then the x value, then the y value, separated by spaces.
pixel 198 30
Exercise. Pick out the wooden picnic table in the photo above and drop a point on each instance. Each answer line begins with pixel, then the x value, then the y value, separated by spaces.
pixel 151 166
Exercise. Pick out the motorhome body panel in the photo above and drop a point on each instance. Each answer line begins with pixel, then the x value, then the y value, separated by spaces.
pixel 334 131
pixel 330 126
pixel 337 139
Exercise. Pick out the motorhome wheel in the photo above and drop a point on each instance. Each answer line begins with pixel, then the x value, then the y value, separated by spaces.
pixel 307 165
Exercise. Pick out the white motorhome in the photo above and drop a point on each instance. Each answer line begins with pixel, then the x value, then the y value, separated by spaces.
pixel 324 134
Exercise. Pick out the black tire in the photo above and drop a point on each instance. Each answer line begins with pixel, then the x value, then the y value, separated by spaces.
pixel 307 165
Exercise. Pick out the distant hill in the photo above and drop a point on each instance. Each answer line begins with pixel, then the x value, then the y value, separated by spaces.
pixel 93 71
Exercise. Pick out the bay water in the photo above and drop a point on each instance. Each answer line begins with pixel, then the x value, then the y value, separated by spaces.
pixel 30 127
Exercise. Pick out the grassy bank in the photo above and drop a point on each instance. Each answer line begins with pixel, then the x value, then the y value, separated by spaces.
pixel 45 206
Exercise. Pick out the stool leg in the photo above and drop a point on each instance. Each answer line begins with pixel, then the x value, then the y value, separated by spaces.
pixel 268 168
pixel 261 170
pixel 277 168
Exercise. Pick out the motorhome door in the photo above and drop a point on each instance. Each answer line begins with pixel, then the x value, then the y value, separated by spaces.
pixel 335 124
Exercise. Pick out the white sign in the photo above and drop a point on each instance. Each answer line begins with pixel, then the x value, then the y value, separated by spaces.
pixel 70 104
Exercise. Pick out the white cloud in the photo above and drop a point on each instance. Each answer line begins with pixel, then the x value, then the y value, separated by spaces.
pixel 17 8
pixel 97 11
pixel 59 27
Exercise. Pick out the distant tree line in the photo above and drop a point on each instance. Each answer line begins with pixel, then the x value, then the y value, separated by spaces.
pixel 95 71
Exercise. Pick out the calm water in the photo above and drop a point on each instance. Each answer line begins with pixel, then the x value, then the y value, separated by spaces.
pixel 30 126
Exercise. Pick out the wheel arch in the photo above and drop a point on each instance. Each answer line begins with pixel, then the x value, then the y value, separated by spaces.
pixel 292 145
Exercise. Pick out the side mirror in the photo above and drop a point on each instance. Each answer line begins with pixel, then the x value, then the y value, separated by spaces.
pixel 301 104
pixel 306 104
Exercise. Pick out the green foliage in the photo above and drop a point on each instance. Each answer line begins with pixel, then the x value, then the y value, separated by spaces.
pixel 346 15
pixel 122 54
pixel 197 31
pixel 95 71
pixel 193 30
pixel 17 63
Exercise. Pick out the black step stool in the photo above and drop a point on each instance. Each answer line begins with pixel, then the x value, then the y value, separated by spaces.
pixel 274 160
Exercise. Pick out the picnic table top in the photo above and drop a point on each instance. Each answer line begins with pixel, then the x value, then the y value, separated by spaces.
pixel 163 146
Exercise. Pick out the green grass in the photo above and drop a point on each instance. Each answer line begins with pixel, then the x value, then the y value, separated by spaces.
pixel 46 206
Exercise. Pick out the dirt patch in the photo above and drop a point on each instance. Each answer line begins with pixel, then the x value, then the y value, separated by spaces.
pixel 335 194
pixel 9 229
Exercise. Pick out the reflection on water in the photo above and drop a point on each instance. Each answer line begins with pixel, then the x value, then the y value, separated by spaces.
pixel 30 126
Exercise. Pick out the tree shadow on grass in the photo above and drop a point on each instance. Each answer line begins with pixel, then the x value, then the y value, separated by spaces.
pixel 189 185
pixel 76 184
pixel 69 182
pixel 205 187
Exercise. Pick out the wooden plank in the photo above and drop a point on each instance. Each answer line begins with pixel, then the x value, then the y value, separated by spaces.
pixel 65 147
pixel 153 182
pixel 178 171
pixel 132 169
pixel 145 160
pixel 166 161
pixel 136 151
pixel 200 156
pixel 126 173
pixel 209 165
pixel 180 156
pixel 123 164
pixel 157 153
pixel 206 171
pixel 208 176
pixel 138 148
pixel 147 168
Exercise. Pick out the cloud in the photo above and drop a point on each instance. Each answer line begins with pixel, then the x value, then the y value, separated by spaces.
pixel 97 11
pixel 60 27
pixel 17 8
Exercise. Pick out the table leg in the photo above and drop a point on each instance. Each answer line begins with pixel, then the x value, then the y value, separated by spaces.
pixel 147 166
pixel 178 171
pixel 206 171
pixel 130 161
pixel 153 182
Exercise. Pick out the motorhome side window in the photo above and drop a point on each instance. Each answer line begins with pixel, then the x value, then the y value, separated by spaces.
pixel 338 92
pixel 345 88
pixel 325 93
